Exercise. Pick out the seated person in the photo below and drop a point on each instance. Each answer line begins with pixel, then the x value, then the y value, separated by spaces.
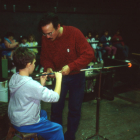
pixel 92 41
pixel 25 96
pixel 119 44
pixel 9 42
pixel 32 43
pixel 23 42
pixel 107 45
pixel 98 48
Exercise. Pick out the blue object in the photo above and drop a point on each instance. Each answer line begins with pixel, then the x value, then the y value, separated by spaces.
pixel 45 128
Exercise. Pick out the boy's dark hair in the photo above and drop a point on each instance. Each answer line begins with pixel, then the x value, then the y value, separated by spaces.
pixel 49 18
pixel 8 34
pixel 22 56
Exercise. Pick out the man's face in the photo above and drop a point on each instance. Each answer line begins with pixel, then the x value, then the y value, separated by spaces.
pixel 50 32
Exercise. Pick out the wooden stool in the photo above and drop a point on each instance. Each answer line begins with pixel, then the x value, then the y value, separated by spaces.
pixel 24 136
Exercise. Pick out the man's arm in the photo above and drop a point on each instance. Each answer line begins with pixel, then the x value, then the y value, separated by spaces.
pixel 84 51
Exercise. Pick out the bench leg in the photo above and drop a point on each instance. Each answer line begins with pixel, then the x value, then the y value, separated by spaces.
pixel 11 133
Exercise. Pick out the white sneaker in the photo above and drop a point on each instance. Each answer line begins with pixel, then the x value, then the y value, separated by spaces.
pixel 41 70
pixel 98 59
pixel 102 61
pixel 113 56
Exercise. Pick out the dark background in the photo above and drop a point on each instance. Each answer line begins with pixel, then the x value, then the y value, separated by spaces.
pixel 85 15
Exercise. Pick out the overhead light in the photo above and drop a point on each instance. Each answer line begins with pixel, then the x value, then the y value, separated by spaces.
pixel 29 7
pixel 4 6
pixel 14 8
pixel 55 8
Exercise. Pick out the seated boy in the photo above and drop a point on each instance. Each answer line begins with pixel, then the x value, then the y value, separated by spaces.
pixel 25 96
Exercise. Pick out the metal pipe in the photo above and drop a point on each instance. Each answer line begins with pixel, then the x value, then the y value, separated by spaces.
pixel 104 67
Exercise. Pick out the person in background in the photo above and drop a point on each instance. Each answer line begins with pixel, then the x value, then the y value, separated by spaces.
pixel 23 42
pixel 25 96
pixel 65 49
pixel 32 43
pixel 98 48
pixel 107 45
pixel 119 44
pixel 9 42
pixel 92 42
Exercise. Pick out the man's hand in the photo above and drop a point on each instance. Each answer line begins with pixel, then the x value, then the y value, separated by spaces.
pixel 65 70
pixel 49 70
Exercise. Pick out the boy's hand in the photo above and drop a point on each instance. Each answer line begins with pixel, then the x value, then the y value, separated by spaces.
pixel 43 79
pixel 58 75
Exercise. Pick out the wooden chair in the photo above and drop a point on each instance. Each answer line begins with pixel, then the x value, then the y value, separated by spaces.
pixel 24 136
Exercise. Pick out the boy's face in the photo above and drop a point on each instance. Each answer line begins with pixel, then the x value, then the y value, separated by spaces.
pixel 106 33
pixel 31 38
pixel 32 67
pixel 11 37
pixel 96 36
pixel 118 32
pixel 24 41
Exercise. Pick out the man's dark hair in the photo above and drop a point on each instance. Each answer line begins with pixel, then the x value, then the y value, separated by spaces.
pixel 49 18
pixel 22 56
pixel 8 34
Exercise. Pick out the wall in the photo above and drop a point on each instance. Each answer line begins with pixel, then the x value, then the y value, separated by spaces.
pixel 24 23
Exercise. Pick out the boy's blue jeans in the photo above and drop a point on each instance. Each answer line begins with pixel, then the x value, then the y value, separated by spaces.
pixel 45 128
pixel 75 84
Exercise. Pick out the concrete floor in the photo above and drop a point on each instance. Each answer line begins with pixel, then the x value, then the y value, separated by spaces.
pixel 118 119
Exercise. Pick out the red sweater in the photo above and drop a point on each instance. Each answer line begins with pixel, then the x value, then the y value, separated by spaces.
pixel 70 49
pixel 117 38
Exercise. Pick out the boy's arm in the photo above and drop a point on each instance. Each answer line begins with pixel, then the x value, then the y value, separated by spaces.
pixel 58 76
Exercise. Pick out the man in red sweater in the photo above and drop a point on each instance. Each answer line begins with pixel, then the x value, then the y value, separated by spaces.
pixel 65 49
